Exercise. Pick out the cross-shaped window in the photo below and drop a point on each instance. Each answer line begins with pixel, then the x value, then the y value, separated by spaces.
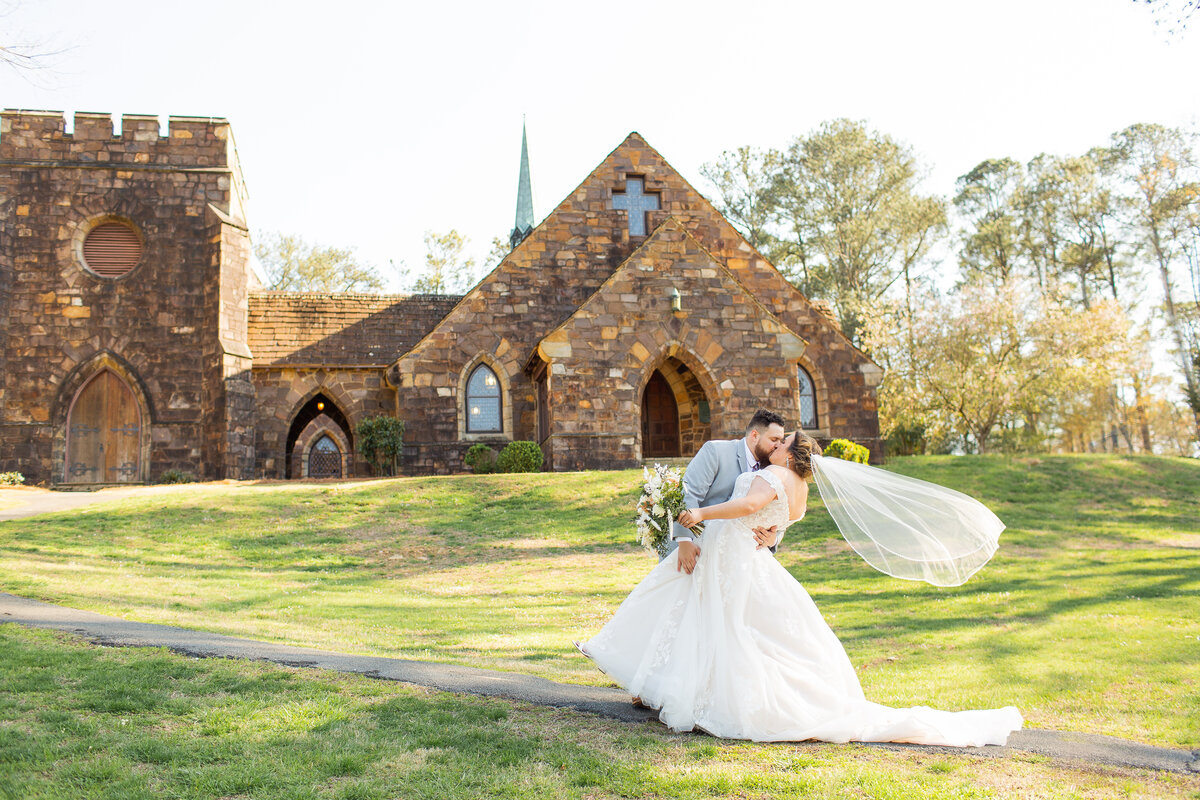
pixel 637 203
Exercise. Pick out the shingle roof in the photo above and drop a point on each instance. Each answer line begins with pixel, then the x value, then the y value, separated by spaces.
pixel 340 329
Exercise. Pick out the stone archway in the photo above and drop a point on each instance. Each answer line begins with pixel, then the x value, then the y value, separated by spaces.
pixel 104 432
pixel 318 418
pixel 695 412
pixel 660 419
pixel 694 403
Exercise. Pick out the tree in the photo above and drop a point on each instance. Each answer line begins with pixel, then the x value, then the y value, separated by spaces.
pixel 743 179
pixel 1174 429
pixel 19 56
pixel 849 198
pixel 1160 172
pixel 838 212
pixel 1174 14
pixel 21 52
pixel 498 252
pixel 992 356
pixel 1041 223
pixel 990 200
pixel 293 265
pixel 447 269
pixel 381 443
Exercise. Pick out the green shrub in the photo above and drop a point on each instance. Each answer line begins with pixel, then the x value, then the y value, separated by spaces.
pixel 847 450
pixel 906 440
pixel 480 459
pixel 381 443
pixel 176 476
pixel 11 479
pixel 520 457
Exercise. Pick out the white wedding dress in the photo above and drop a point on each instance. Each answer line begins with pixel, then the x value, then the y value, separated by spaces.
pixel 739 649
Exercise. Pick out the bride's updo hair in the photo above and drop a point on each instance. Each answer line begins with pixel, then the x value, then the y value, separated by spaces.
pixel 801 450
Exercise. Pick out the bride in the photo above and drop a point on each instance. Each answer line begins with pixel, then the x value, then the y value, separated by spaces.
pixel 738 648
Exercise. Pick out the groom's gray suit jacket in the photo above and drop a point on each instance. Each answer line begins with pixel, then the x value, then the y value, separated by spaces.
pixel 709 478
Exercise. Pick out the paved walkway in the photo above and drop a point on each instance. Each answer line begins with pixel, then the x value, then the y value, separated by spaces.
pixel 29 501
pixel 613 703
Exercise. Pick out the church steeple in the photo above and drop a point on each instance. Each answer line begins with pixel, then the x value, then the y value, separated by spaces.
pixel 524 223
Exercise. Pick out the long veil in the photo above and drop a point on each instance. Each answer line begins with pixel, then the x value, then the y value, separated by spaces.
pixel 907 528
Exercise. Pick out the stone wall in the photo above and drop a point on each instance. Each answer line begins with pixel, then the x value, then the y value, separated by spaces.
pixel 339 344
pixel 156 323
pixel 730 347
pixel 7 236
pixel 233 413
pixel 282 391
pixel 323 425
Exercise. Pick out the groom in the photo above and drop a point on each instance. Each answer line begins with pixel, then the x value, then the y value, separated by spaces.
pixel 710 475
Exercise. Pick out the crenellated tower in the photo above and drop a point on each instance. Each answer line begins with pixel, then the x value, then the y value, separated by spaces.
pixel 125 264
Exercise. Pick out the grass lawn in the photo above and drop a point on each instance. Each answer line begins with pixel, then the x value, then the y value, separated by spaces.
pixel 85 723
pixel 1088 619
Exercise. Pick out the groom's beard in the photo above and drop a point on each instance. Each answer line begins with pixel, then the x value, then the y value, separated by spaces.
pixel 764 459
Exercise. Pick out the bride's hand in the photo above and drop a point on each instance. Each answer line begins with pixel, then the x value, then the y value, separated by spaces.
pixel 691 517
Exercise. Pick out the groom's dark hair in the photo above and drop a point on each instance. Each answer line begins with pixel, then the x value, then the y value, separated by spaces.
pixel 764 419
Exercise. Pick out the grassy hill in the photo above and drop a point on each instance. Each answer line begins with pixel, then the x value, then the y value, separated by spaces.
pixel 1086 618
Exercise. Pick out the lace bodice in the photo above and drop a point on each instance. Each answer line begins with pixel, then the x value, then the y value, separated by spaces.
pixel 774 512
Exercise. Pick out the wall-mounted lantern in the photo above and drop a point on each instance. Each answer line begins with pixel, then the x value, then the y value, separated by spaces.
pixel 676 300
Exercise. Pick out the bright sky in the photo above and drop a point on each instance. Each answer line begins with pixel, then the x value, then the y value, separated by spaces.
pixel 365 124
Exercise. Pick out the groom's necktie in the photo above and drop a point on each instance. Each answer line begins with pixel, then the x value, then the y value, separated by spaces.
pixel 756 467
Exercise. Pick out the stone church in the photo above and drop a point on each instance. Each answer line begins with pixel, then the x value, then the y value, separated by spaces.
pixel 632 323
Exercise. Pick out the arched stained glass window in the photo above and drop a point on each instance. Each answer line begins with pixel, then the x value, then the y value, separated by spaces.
pixel 325 459
pixel 483 402
pixel 808 399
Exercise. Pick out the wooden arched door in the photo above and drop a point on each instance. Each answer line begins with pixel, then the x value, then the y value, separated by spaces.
pixel 660 419
pixel 104 433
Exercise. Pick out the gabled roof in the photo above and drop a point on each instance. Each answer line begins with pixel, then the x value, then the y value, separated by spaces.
pixel 578 246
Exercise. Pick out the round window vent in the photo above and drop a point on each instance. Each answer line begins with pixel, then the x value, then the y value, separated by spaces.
pixel 111 249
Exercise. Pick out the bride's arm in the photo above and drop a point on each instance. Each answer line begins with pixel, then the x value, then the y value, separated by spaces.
pixel 759 495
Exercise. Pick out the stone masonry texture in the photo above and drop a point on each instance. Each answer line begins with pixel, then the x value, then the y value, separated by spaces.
pixel 226 377
pixel 161 326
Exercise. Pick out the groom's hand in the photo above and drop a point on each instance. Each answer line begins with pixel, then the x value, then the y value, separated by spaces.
pixel 765 537
pixel 688 552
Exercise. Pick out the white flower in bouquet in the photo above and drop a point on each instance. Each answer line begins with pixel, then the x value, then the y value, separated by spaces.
pixel 660 504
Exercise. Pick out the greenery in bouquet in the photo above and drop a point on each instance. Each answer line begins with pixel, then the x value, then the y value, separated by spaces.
pixel 660 505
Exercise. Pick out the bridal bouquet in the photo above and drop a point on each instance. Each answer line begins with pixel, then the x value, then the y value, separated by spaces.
pixel 661 504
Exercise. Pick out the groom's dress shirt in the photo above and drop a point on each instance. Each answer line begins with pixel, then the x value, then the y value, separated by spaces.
pixel 750 459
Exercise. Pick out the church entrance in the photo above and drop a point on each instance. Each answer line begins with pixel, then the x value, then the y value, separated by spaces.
pixel 104 433
pixel 660 419
pixel 676 415
pixel 320 443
